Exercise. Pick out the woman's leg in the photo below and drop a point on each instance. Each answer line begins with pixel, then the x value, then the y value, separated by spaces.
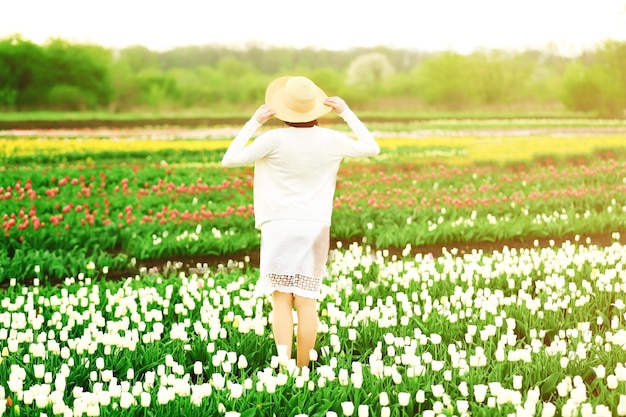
pixel 282 320
pixel 307 328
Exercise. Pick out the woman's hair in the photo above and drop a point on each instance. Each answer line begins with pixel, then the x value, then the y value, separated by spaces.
pixel 303 124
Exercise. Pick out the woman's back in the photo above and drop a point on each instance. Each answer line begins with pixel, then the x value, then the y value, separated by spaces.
pixel 296 178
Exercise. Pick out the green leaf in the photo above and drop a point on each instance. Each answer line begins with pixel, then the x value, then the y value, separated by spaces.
pixel 293 402
pixel 605 319
pixel 549 384
pixel 250 412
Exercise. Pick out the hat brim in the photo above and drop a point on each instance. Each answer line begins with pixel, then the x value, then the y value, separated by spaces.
pixel 274 98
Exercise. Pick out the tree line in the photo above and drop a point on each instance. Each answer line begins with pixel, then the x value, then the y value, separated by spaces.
pixel 60 75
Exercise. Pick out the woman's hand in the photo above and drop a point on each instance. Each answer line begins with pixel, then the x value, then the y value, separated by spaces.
pixel 264 113
pixel 336 103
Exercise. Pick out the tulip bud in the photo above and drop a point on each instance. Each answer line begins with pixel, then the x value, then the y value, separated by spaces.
pixel 404 398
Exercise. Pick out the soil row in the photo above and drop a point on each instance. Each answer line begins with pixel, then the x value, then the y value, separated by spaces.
pixel 146 123
pixel 201 263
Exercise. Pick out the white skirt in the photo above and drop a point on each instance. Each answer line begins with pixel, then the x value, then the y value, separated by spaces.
pixel 293 257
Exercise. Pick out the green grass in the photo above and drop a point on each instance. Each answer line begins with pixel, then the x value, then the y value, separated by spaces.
pixel 498 124
pixel 244 113
pixel 14 116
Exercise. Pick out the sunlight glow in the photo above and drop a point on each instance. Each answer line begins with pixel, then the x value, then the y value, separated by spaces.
pixel 567 26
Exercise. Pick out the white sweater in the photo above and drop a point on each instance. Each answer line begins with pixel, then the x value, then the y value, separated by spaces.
pixel 295 169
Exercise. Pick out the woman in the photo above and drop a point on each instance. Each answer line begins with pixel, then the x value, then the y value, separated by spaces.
pixel 295 173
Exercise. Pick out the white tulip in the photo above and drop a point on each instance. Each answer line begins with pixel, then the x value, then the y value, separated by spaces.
pixel 357 380
pixel 126 400
pixel 397 377
pixel 347 407
pixel 58 408
pixel 438 390
pixel 137 389
pixel 242 363
pixel 28 397
pixel 270 386
pixel 621 406
pixel 480 392
pixel 218 381
pixel 437 365
pixel 420 396
pixel 107 375
pixel 236 391
pixel 569 409
pixel 39 370
pixel 104 398
pixel 620 372
pixel 548 410
pixel 149 379
pixel 404 398
pixel 462 406
pixel 463 389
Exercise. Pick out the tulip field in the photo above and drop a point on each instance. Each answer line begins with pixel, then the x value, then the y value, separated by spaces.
pixel 128 285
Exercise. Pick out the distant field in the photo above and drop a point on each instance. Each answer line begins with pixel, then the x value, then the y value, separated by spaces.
pixel 104 115
pixel 206 146
pixel 245 112
pixel 393 119
pixel 13 116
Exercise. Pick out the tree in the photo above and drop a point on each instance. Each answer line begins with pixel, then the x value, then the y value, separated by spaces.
pixel 126 89
pixel 84 70
pixel 369 70
pixel 22 77
pixel 546 81
pixel 444 79
pixel 580 91
pixel 599 84
pixel 613 77
pixel 155 88
pixel 233 67
pixel 498 76
pixel 138 58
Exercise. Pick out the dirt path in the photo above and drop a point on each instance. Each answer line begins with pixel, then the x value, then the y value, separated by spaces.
pixel 198 264
pixel 164 129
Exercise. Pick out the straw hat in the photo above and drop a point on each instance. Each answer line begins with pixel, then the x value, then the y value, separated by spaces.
pixel 296 99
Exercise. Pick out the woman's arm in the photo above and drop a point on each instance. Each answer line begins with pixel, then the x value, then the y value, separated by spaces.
pixel 365 145
pixel 238 153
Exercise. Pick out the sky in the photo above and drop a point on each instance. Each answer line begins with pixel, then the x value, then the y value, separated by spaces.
pixel 567 26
